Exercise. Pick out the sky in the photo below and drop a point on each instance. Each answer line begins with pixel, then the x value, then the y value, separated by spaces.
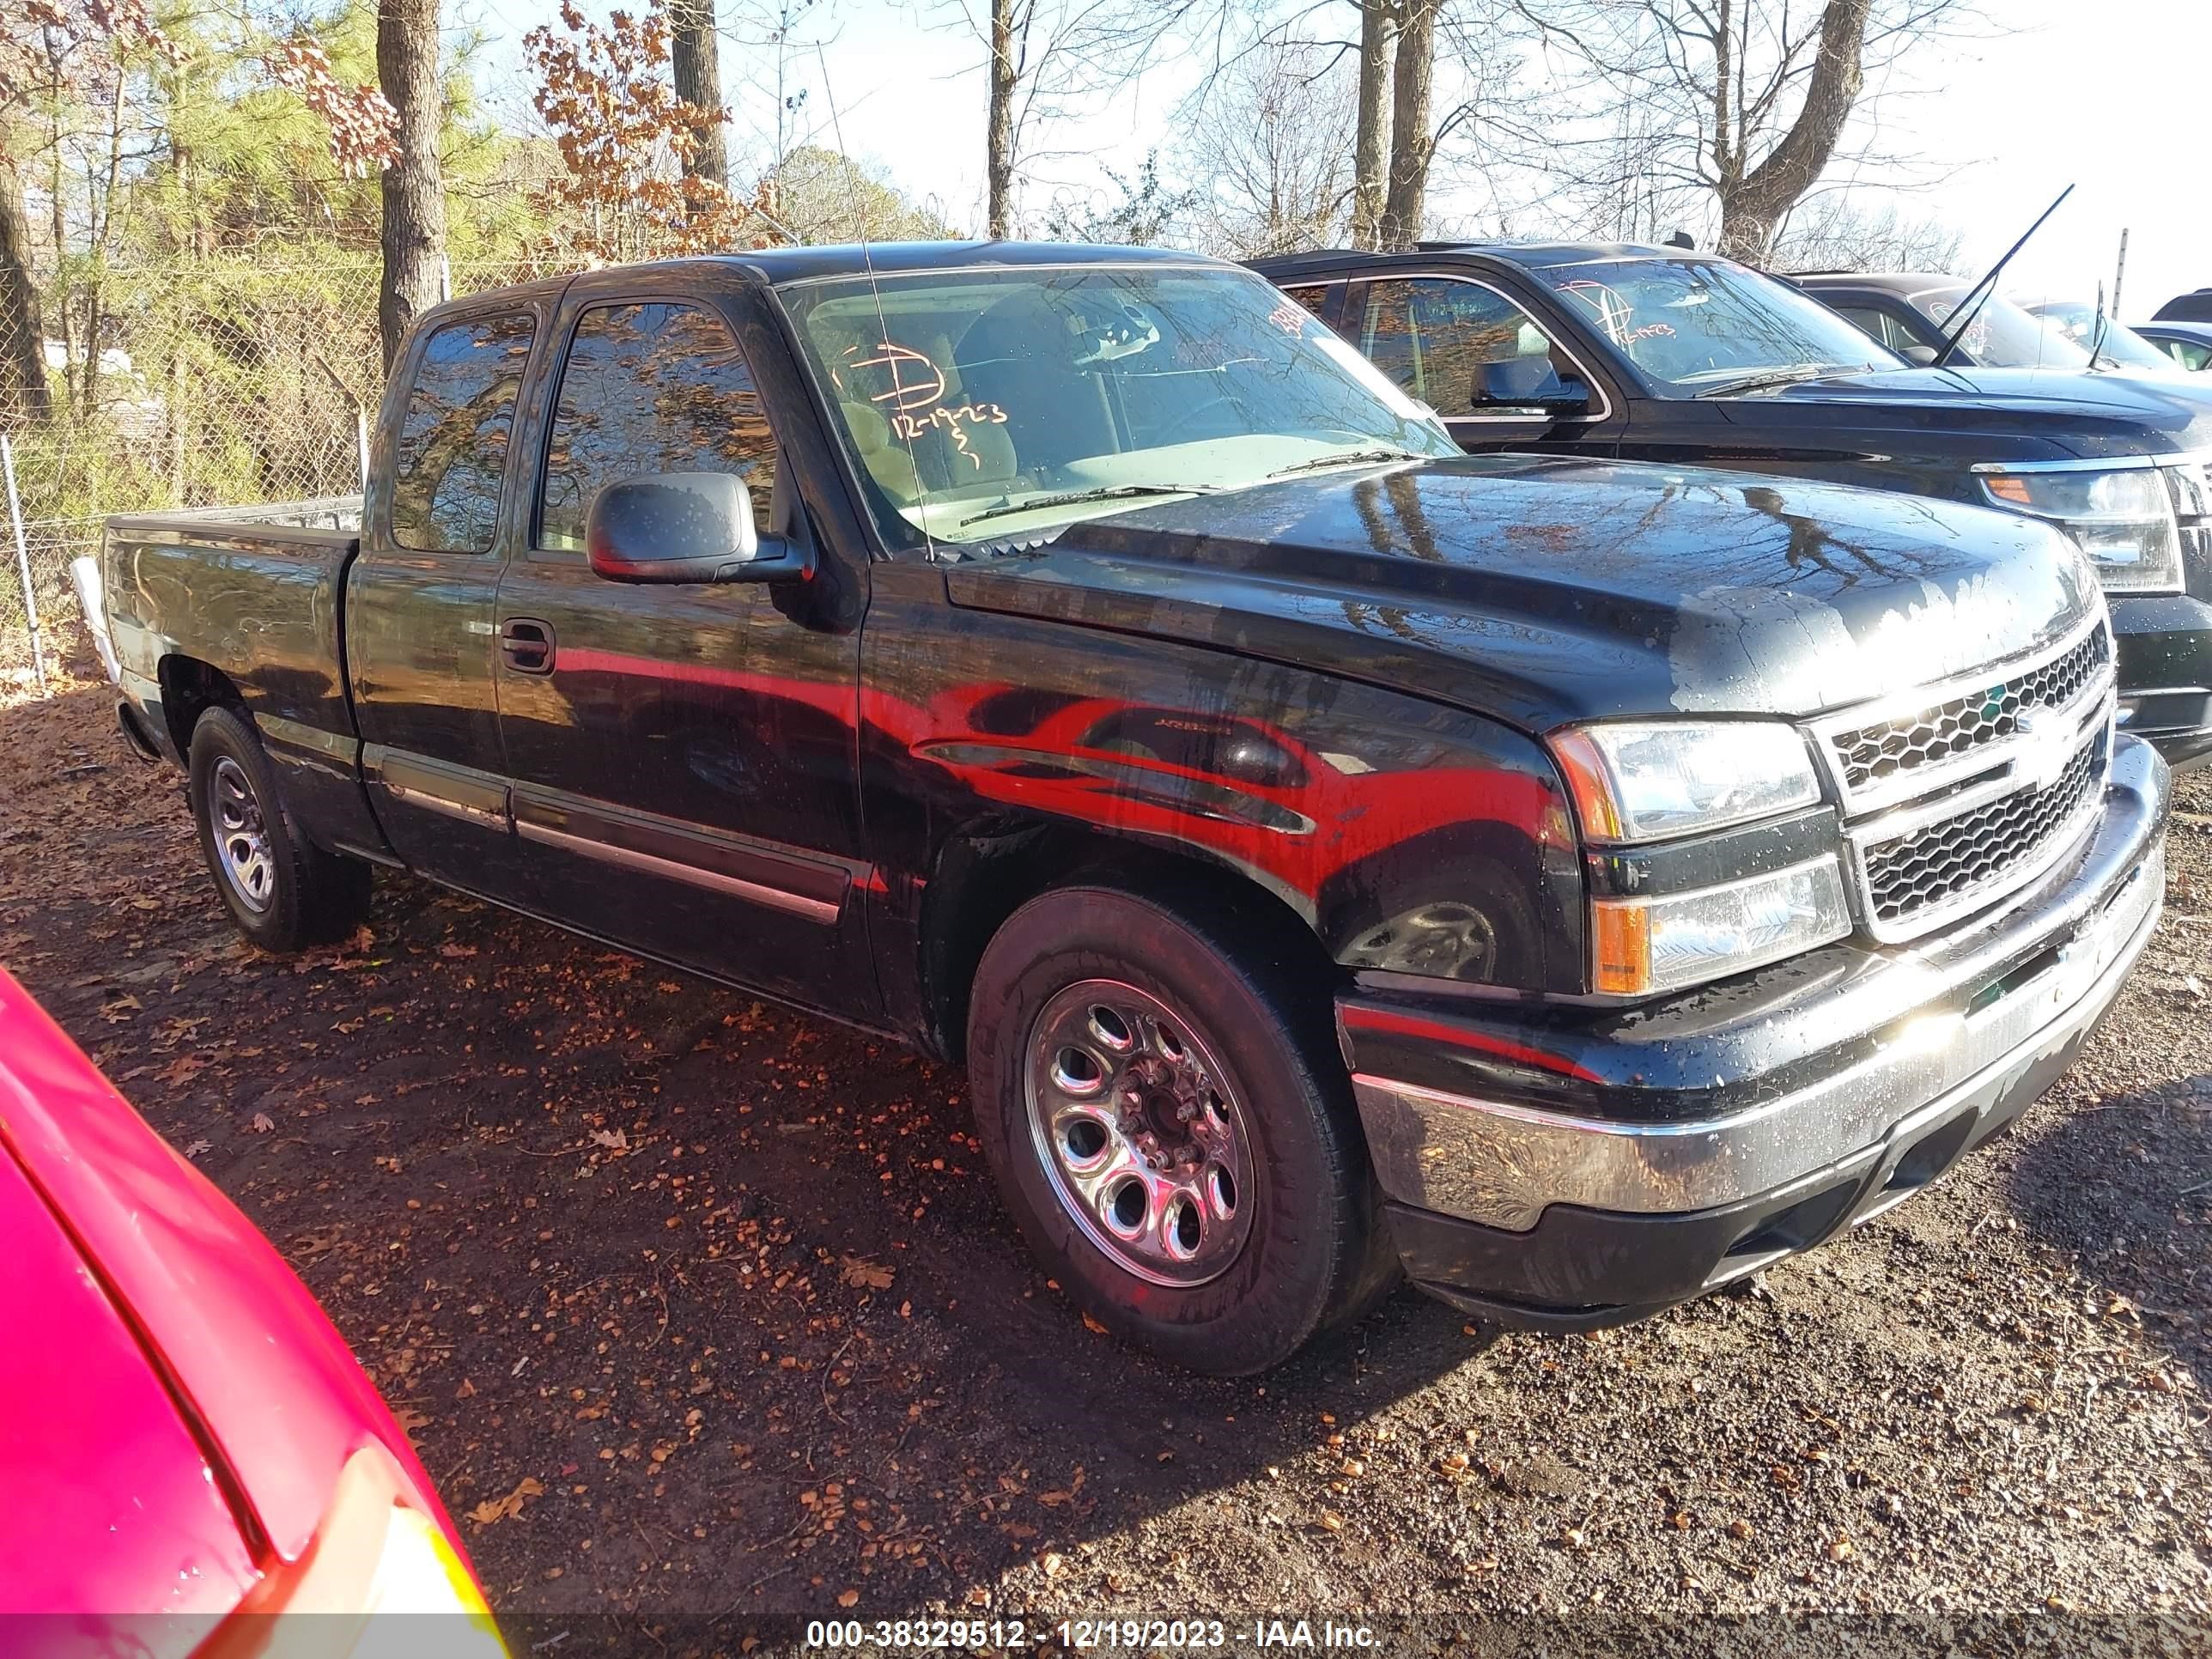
pixel 2115 98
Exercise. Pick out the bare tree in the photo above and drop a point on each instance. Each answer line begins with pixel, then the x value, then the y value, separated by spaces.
pixel 694 63
pixel 1744 103
pixel 1043 60
pixel 1830 231
pixel 1370 154
pixel 414 234
pixel 1412 138
pixel 1276 149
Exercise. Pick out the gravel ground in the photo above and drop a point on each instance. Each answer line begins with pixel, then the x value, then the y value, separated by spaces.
pixel 704 1314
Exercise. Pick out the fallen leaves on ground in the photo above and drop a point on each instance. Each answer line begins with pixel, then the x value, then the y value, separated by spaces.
pixel 502 1509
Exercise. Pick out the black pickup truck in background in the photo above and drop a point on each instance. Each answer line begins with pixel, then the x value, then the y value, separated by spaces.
pixel 1658 354
pixel 1579 884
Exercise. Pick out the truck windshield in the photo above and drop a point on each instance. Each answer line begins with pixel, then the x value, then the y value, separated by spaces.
pixel 1701 326
pixel 979 404
pixel 2001 334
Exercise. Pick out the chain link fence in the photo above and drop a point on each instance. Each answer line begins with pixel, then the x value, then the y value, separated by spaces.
pixel 223 380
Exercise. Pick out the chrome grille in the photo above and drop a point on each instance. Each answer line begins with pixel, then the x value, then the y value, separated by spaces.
pixel 1951 864
pixel 1880 753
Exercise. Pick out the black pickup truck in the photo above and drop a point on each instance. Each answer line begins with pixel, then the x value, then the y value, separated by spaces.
pixel 1576 884
pixel 1657 355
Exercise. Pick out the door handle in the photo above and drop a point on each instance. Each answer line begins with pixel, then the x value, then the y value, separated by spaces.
pixel 527 645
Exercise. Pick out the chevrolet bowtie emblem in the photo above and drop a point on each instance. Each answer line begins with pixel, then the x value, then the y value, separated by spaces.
pixel 2042 747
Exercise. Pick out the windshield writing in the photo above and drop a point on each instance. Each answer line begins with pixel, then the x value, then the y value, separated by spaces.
pixel 982 403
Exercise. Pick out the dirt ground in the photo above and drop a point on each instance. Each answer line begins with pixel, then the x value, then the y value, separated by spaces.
pixel 705 1311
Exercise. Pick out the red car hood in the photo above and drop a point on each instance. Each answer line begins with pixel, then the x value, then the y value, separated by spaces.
pixel 156 1340
pixel 111 1504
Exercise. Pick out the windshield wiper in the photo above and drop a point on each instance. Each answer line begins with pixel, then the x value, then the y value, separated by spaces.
pixel 1351 458
pixel 1077 497
pixel 1790 376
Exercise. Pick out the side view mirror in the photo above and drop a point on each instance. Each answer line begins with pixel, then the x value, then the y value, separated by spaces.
pixel 685 528
pixel 1920 357
pixel 1528 383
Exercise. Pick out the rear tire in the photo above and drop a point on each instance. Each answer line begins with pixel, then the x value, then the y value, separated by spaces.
pixel 284 891
pixel 1170 1126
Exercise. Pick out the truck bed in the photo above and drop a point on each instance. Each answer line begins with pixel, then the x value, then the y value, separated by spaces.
pixel 207 602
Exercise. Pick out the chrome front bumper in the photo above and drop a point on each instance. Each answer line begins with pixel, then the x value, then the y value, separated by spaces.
pixel 2003 997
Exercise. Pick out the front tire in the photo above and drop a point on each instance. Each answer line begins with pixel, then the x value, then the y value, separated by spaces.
pixel 284 891
pixel 1172 1129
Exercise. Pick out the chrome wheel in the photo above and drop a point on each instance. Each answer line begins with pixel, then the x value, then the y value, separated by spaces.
pixel 1140 1132
pixel 241 837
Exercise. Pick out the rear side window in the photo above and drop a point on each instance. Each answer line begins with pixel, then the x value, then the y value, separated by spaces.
pixel 453 437
pixel 1891 331
pixel 649 389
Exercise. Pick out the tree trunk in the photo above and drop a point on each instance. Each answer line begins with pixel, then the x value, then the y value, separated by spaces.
pixel 413 188
pixel 1754 203
pixel 694 59
pixel 999 138
pixel 23 393
pixel 1411 142
pixel 1371 152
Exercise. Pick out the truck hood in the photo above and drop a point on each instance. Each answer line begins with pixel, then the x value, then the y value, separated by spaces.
pixel 2058 412
pixel 1545 590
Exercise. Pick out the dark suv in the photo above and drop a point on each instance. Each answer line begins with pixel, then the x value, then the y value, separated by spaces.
pixel 1656 354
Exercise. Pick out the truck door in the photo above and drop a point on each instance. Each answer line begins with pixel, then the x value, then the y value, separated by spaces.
pixel 1480 359
pixel 682 757
pixel 418 615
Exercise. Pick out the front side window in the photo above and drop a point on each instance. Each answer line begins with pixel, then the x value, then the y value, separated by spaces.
pixel 1460 349
pixel 649 388
pixel 454 434
pixel 980 404
pixel 2189 355
pixel 1704 325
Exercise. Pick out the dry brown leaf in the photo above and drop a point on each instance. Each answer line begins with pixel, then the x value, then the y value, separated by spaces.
pixel 1054 1500
pixel 863 1274
pixel 454 952
pixel 615 1140
pixel 261 1123
pixel 1093 1326
pixel 847 1598
pixel 500 1509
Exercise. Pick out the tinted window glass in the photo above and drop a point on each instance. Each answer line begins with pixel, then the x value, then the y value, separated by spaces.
pixel 1880 324
pixel 1697 324
pixel 978 405
pixel 1445 342
pixel 650 389
pixel 1314 298
pixel 453 438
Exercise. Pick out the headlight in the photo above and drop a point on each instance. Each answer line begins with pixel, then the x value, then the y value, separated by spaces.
pixel 1644 946
pixel 1646 781
pixel 2122 517
pixel 1654 780
pixel 375 1564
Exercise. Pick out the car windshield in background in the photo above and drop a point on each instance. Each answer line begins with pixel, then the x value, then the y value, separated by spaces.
pixel 1701 325
pixel 982 403
pixel 2117 345
pixel 2001 334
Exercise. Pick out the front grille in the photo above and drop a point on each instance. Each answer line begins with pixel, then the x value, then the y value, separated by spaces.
pixel 1872 754
pixel 1946 864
